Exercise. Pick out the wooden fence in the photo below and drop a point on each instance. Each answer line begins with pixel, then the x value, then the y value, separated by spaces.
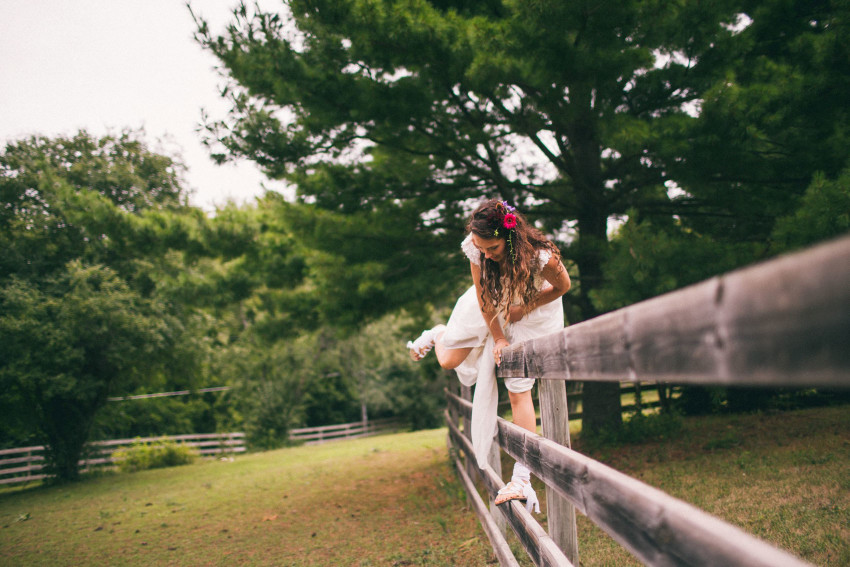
pixel 639 389
pixel 316 435
pixel 783 323
pixel 26 463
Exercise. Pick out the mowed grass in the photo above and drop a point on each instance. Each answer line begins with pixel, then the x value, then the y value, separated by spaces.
pixel 394 500
pixel 388 500
pixel 783 477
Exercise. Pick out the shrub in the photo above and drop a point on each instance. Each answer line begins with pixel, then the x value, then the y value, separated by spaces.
pixel 640 428
pixel 158 454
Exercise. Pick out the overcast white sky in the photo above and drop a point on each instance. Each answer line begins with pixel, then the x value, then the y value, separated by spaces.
pixel 105 65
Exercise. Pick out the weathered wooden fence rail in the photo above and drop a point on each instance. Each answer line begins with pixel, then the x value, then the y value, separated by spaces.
pixel 26 463
pixel 625 388
pixel 316 435
pixel 781 323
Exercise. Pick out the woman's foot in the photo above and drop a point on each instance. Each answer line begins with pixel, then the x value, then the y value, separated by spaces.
pixel 519 489
pixel 423 345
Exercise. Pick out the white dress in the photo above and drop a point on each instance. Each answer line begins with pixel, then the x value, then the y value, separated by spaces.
pixel 467 328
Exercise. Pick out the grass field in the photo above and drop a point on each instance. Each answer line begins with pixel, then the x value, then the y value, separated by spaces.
pixel 784 477
pixel 394 500
pixel 389 500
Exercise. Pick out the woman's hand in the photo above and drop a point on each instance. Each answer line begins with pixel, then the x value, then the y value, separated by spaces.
pixel 497 350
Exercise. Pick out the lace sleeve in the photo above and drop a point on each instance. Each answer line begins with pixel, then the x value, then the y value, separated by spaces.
pixel 543 256
pixel 470 250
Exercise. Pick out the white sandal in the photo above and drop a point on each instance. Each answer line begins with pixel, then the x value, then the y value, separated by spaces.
pixel 520 490
pixel 423 345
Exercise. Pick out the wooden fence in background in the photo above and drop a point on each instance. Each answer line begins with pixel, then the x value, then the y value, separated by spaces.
pixel 321 434
pixel 26 464
pixel 783 323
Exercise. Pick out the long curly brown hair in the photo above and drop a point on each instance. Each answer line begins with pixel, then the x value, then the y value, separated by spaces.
pixel 523 243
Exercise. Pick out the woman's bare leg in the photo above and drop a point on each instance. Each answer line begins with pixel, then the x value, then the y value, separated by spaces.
pixel 519 487
pixel 522 408
pixel 450 358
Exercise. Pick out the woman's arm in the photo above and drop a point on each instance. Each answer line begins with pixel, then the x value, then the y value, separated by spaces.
pixel 556 274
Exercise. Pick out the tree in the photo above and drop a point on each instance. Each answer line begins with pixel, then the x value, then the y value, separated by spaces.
pixel 94 234
pixel 388 383
pixel 44 183
pixel 361 266
pixel 268 380
pixel 559 107
pixel 763 167
pixel 66 345
pixel 824 212
pixel 773 124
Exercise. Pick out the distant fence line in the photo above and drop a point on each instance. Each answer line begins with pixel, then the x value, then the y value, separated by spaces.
pixel 321 434
pixel 26 464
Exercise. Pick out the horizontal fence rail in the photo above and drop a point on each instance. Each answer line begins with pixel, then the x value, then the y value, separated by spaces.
pixel 655 527
pixel 26 464
pixel 625 388
pixel 320 434
pixel 783 323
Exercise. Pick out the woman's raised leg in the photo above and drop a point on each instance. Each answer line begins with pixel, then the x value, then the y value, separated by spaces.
pixel 449 358
pixel 425 342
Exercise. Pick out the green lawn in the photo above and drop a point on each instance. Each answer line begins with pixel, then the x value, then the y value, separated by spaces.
pixel 784 477
pixel 375 501
pixel 394 500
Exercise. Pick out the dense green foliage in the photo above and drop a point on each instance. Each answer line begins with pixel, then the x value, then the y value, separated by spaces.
pixel 67 341
pixel 325 377
pixel 85 230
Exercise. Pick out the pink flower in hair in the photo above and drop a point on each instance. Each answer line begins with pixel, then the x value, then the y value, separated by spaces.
pixel 509 221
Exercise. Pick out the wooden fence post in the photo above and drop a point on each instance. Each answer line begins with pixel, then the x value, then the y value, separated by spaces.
pixel 471 464
pixel 556 427
pixel 494 459
pixel 454 417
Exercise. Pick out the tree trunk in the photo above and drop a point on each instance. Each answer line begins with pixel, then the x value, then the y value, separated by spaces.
pixel 66 425
pixel 601 401
pixel 601 407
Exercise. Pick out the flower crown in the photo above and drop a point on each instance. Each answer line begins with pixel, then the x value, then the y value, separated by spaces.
pixel 508 221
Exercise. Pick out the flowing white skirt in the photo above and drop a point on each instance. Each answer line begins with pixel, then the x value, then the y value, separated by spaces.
pixel 467 329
